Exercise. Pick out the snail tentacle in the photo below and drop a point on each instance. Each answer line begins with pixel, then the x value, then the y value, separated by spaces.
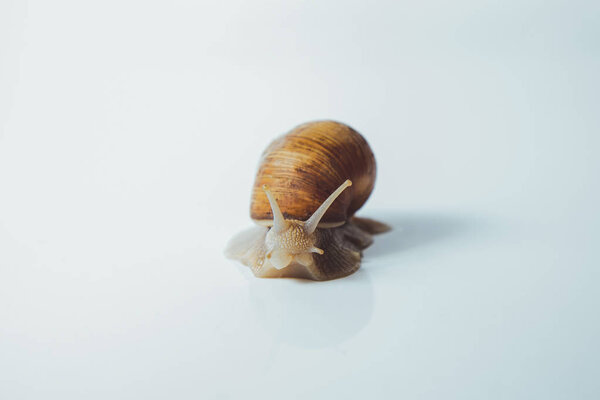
pixel 279 223
pixel 311 224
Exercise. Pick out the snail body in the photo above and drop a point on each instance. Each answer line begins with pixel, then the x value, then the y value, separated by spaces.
pixel 309 184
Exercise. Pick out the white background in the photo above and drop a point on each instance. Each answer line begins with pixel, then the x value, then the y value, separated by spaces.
pixel 130 133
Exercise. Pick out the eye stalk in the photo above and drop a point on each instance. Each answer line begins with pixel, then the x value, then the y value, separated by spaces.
pixel 279 223
pixel 311 224
pixel 292 240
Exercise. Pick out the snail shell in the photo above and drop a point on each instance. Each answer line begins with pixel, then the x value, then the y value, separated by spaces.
pixel 303 167
pixel 309 184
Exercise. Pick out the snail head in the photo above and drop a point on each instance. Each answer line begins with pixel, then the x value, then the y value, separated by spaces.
pixel 293 240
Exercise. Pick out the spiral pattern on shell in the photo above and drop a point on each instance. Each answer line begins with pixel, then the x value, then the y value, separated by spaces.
pixel 303 167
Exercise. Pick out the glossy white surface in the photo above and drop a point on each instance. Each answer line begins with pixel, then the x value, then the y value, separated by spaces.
pixel 130 134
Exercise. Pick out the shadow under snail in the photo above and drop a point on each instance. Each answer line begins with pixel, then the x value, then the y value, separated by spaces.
pixel 309 184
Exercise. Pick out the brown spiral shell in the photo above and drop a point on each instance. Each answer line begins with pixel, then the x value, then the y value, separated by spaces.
pixel 303 167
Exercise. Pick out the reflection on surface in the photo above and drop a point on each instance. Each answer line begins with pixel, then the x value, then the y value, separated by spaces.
pixel 322 314
pixel 313 314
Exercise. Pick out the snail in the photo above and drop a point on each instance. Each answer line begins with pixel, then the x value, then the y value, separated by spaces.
pixel 309 184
